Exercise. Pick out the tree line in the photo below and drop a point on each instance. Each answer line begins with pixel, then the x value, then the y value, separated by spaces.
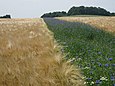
pixel 6 16
pixel 54 14
pixel 81 10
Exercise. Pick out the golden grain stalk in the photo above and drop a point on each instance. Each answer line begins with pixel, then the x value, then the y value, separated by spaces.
pixel 29 56
pixel 104 23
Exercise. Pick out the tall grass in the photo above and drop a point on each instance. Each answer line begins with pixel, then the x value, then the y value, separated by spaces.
pixel 29 56
pixel 92 49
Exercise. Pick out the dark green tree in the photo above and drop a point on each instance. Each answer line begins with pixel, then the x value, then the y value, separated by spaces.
pixel 6 16
pixel 88 11
pixel 54 14
pixel 81 10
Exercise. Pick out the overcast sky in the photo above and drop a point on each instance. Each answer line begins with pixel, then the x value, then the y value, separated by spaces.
pixel 35 8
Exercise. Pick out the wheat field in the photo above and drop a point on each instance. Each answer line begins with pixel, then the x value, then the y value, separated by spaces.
pixel 30 56
pixel 104 23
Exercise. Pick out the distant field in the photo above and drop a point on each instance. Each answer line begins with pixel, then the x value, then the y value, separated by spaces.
pixel 29 56
pixel 85 16
pixel 105 23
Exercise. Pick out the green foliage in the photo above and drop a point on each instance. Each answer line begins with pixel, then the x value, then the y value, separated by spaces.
pixel 112 14
pixel 54 14
pixel 88 11
pixel 93 50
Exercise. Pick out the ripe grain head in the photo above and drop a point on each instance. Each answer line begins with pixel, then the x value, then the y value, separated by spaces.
pixel 29 56
pixel 104 23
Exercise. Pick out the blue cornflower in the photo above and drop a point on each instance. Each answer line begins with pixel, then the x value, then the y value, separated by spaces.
pixel 98 82
pixel 110 59
pixel 114 85
pixel 100 64
pixel 112 78
pixel 99 52
pixel 89 78
pixel 106 65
